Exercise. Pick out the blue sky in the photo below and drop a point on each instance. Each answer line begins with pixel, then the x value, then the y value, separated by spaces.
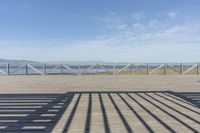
pixel 107 30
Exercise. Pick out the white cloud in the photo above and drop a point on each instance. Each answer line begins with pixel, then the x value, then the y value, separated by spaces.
pixel 172 15
pixel 153 24
pixel 138 27
pixel 99 50
pixel 137 16
pixel 122 27
pixel 123 40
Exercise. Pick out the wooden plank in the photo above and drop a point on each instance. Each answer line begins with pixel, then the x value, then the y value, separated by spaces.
pixel 191 68
pixel 33 68
pixel 20 67
pixel 157 68
pixel 128 65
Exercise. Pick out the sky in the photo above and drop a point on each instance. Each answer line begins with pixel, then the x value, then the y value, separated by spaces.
pixel 100 30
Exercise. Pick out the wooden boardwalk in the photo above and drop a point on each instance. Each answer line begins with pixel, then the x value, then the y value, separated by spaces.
pixel 100 103
pixel 98 112
pixel 22 113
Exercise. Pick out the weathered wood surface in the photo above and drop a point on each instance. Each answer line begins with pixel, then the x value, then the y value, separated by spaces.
pixel 101 69
pixel 121 103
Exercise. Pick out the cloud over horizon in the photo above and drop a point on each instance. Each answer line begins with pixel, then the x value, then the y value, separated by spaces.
pixel 130 37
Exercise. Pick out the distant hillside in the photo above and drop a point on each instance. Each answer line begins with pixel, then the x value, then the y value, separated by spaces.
pixel 16 61
pixel 3 61
pixel 77 62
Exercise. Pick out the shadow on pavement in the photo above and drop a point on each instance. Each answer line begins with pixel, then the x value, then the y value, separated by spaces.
pixel 40 112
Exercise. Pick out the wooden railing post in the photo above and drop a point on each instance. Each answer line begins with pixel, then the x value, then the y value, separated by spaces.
pixel 147 68
pixel 62 66
pixel 114 69
pixel 198 65
pixel 8 69
pixel 26 69
pixel 79 69
pixel 131 68
pixel 44 69
pixel 181 68
pixel 165 66
pixel 96 68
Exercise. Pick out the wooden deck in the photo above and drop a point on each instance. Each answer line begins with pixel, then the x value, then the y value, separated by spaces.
pixel 139 106
pixel 98 112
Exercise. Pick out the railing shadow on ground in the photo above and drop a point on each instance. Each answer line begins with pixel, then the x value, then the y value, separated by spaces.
pixel 29 113
pixel 146 96
pixel 41 112
pixel 192 97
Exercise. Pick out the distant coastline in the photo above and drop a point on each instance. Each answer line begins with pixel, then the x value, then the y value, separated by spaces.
pixel 2 61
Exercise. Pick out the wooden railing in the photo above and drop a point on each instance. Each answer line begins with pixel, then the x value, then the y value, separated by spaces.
pixel 97 68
